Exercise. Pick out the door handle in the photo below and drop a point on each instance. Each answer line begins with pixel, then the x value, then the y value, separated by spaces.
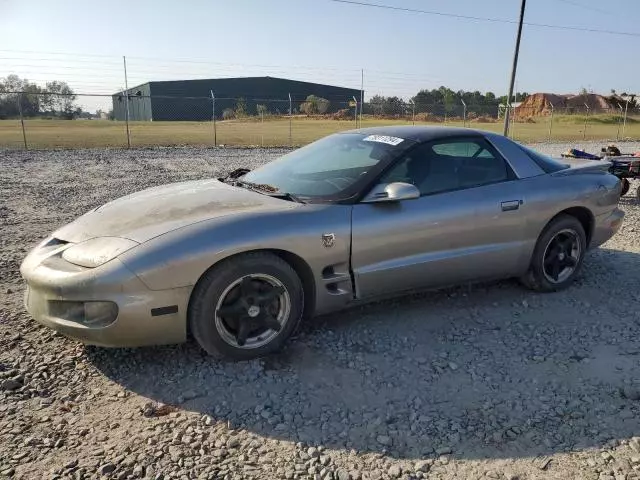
pixel 510 205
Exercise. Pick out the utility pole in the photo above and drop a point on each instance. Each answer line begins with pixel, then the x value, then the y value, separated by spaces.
pixel 514 68
pixel 126 86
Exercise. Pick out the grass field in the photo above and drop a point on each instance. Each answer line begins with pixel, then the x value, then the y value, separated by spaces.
pixel 45 134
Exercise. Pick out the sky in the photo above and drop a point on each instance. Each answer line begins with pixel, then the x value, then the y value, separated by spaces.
pixel 396 52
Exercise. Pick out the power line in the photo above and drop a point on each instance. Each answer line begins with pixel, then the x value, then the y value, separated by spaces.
pixel 576 4
pixel 59 53
pixel 171 63
pixel 484 19
pixel 181 60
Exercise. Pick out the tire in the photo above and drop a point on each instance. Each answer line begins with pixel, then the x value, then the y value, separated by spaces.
pixel 638 193
pixel 625 186
pixel 539 277
pixel 220 336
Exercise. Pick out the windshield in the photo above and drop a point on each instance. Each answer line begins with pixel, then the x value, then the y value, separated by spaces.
pixel 332 168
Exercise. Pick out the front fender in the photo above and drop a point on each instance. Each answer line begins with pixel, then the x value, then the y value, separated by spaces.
pixel 179 258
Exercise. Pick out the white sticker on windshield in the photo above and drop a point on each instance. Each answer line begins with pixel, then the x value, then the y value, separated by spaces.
pixel 384 139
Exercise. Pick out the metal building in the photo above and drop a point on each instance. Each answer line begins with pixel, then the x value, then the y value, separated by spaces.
pixel 190 100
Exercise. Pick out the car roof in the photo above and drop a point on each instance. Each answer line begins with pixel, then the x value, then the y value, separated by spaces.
pixel 421 133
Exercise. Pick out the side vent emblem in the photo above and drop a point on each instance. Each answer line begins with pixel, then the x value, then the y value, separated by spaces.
pixel 328 240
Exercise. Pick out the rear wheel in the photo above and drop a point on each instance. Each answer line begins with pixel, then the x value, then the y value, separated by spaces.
pixel 625 186
pixel 246 307
pixel 558 255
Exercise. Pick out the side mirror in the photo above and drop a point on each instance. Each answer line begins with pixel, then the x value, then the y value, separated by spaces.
pixel 392 192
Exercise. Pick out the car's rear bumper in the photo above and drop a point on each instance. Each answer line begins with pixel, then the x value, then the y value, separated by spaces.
pixel 606 226
pixel 144 317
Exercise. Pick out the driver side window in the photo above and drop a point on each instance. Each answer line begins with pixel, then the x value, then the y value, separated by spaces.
pixel 449 165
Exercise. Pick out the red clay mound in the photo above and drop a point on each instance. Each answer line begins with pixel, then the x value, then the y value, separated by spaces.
pixel 540 104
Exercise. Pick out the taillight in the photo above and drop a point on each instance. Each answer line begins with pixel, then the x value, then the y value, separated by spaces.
pixel 634 167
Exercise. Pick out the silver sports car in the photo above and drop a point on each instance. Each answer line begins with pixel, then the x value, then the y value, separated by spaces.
pixel 239 261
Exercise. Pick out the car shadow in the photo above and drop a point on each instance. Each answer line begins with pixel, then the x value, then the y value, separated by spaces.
pixel 628 200
pixel 487 371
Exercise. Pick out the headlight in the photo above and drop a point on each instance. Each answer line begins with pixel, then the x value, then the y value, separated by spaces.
pixel 90 314
pixel 97 251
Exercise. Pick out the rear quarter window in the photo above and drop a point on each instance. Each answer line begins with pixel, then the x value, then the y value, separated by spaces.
pixel 547 164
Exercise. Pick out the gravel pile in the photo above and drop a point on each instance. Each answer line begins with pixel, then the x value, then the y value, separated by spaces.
pixel 489 381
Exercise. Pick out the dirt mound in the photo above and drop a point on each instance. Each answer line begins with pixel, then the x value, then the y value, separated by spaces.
pixel 428 117
pixel 596 103
pixel 343 114
pixel 541 104
pixel 484 119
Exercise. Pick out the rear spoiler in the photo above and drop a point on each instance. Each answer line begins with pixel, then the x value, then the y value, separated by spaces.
pixel 579 167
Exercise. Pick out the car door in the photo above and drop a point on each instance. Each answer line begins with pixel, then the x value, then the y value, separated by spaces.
pixel 467 224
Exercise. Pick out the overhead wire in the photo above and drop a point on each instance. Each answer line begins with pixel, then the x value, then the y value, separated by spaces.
pixel 586 7
pixel 483 19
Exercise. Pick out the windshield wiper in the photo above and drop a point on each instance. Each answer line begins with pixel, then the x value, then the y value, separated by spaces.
pixel 270 190
pixel 232 175
pixel 287 196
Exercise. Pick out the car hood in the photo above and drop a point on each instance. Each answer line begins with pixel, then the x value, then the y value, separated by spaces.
pixel 146 214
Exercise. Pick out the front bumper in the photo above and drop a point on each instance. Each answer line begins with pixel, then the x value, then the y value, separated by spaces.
pixel 49 277
pixel 606 226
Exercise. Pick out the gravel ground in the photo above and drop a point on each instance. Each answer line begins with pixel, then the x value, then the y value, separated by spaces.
pixel 490 381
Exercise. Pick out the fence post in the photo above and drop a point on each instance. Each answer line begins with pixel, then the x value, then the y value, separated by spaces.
pixel 511 128
pixel 550 121
pixel 213 117
pixel 413 113
pixel 624 124
pixel 618 122
pixel 464 113
pixel 586 117
pixel 355 113
pixel 126 92
pixel 290 116
pixel 24 134
pixel 361 94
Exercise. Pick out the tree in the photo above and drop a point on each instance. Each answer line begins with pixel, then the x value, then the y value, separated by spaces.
pixel 261 110
pixel 228 114
pixel 241 108
pixel 315 105
pixel 518 97
pixel 449 99
pixel 425 99
pixel 19 94
pixel 60 99
pixel 393 106
pixel 376 103
pixel 388 105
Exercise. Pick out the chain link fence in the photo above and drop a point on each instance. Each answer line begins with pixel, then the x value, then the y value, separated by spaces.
pixel 45 121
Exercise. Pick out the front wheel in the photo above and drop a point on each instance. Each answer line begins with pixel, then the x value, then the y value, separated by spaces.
pixel 558 255
pixel 246 307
